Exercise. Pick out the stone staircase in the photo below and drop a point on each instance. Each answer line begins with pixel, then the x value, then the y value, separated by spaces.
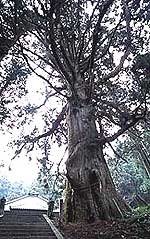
pixel 23 225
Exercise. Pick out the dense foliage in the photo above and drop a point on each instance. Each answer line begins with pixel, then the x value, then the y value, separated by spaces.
pixel 52 189
pixel 129 175
pixel 93 43
pixel 11 190
pixel 132 26
pixel 130 165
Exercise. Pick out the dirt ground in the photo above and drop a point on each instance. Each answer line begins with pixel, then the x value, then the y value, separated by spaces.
pixel 123 229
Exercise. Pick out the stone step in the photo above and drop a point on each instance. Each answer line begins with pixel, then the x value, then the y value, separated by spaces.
pixel 23 235
pixel 28 237
pixel 19 220
pixel 4 232
pixel 24 227
pixel 20 223
pixel 9 216
pixel 25 231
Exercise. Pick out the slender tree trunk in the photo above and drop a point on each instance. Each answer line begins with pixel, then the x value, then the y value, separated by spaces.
pixel 144 158
pixel 91 193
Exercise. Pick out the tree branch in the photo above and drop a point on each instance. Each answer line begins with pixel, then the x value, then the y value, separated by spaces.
pixel 105 6
pixel 127 45
pixel 54 48
pixel 41 76
pixel 29 140
pixel 135 119
pixel 115 152
pixel 55 125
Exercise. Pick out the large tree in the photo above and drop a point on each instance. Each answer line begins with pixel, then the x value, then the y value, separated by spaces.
pixel 89 55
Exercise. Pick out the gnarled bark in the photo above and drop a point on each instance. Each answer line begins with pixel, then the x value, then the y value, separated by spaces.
pixel 93 195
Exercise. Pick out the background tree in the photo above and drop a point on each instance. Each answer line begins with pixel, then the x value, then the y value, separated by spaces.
pixel 50 181
pixel 129 166
pixel 50 186
pixel 86 52
pixel 11 190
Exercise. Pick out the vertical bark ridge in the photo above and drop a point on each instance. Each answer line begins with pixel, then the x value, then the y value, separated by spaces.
pixel 93 194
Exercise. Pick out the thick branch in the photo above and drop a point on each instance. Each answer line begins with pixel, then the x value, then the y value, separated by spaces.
pixel 97 29
pixel 28 140
pixel 117 70
pixel 127 45
pixel 54 48
pixel 41 76
pixel 134 121
pixel 81 47
pixel 55 125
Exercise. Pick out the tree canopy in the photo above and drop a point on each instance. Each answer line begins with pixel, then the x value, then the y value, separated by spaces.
pixel 104 41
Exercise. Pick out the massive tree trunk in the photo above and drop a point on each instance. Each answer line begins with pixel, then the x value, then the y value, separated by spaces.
pixel 91 193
